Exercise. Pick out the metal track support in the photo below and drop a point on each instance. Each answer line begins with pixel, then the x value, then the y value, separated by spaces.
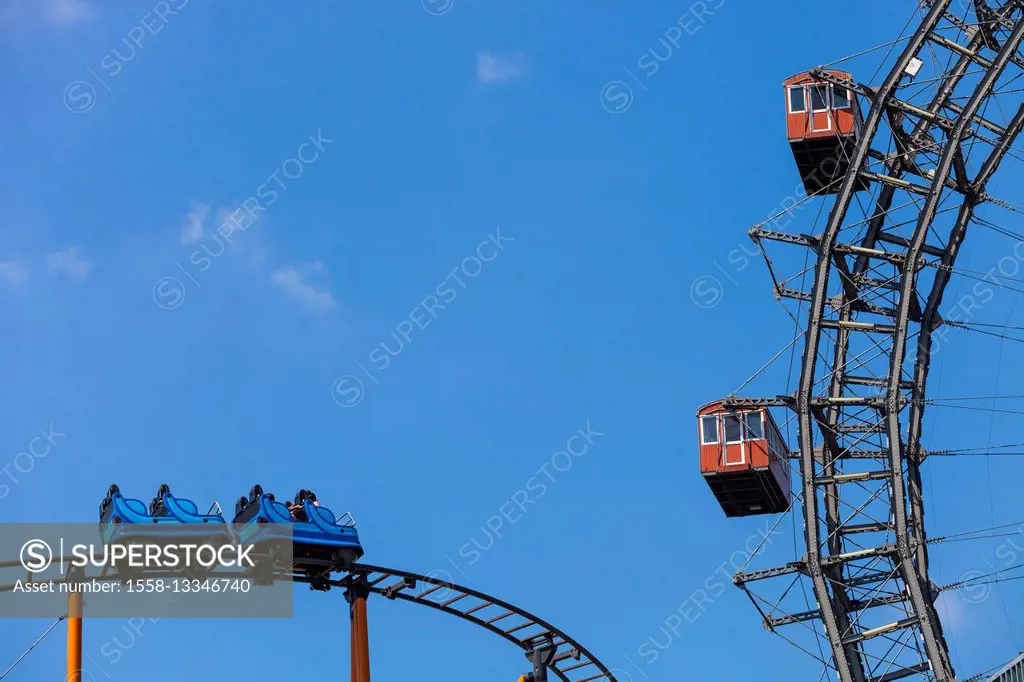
pixel 356 595
pixel 74 673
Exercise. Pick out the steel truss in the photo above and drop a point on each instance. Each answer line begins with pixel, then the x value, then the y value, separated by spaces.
pixel 928 149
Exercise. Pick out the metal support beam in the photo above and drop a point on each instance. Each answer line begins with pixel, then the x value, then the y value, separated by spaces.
pixel 837 422
pixel 742 578
pixel 540 657
pixel 927 618
pixel 905 243
pixel 739 403
pixel 903 673
pixel 847 657
pixel 356 595
pixel 915 455
pixel 74 672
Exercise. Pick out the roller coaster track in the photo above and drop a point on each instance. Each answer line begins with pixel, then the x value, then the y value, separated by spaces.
pixel 879 278
pixel 569 660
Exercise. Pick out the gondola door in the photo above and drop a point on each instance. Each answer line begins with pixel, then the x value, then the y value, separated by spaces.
pixel 734 448
pixel 821 107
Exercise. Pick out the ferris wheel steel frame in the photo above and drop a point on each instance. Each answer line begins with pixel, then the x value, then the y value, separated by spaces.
pixel 547 648
pixel 839 399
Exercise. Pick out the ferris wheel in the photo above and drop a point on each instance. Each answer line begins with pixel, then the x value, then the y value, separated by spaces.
pixel 900 169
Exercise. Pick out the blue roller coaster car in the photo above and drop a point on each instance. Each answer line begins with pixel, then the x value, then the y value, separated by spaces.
pixel 124 519
pixel 320 543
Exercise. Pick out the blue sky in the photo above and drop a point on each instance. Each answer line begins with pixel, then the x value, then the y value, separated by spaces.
pixel 174 337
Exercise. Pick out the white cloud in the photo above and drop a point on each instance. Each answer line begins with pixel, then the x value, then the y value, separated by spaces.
pixel 69 263
pixel 20 13
pixel 235 219
pixel 955 611
pixel 492 68
pixel 295 283
pixel 195 220
pixel 13 273
pixel 67 12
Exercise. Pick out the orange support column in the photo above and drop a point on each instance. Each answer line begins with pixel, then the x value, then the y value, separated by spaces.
pixel 356 596
pixel 74 638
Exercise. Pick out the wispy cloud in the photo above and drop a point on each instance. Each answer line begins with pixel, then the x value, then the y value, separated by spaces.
pixel 195 221
pixel 492 68
pixel 19 13
pixel 68 263
pixel 13 273
pixel 67 12
pixel 295 283
pixel 955 611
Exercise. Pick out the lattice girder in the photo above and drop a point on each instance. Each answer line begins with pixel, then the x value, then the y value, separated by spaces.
pixel 877 285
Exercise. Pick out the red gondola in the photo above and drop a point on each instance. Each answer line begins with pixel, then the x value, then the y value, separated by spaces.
pixel 744 459
pixel 824 124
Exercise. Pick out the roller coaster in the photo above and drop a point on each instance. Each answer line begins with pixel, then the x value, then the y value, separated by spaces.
pixel 324 557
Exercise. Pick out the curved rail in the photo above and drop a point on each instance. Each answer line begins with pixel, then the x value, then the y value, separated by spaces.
pixel 571 662
pixel 856 395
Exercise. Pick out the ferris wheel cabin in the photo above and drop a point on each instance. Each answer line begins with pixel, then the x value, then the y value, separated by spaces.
pixel 823 124
pixel 744 459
